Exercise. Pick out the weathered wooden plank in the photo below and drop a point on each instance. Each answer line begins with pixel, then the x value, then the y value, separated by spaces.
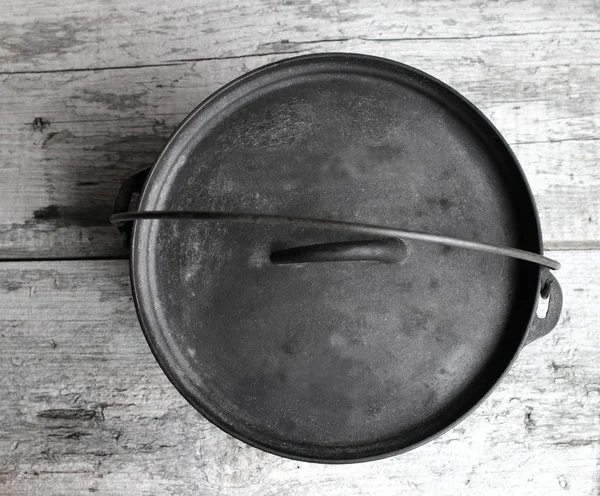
pixel 86 408
pixel 37 35
pixel 69 139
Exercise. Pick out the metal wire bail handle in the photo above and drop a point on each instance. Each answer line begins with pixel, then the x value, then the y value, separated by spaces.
pixel 381 249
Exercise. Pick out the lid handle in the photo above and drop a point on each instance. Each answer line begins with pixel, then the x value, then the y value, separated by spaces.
pixel 379 250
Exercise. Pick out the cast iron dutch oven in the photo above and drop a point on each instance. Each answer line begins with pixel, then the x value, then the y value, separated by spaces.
pixel 336 257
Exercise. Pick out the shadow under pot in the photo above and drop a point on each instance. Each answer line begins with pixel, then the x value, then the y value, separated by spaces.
pixel 336 257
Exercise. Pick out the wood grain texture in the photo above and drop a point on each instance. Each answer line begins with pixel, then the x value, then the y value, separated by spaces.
pixel 68 139
pixel 89 92
pixel 86 408
pixel 72 34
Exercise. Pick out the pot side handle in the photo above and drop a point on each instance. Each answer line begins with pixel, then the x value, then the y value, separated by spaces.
pixel 133 184
pixel 549 289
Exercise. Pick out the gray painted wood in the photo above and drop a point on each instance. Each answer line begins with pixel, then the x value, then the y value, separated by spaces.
pixel 85 407
pixel 36 35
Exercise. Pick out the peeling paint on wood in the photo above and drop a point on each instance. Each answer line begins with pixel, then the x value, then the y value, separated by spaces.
pixel 56 138
pixel 69 414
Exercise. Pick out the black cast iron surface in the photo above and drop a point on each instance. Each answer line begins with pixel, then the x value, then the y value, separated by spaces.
pixel 342 361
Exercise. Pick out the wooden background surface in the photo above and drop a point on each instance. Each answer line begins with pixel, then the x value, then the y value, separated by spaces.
pixel 89 92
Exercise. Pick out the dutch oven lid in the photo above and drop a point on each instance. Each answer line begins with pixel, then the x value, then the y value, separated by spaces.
pixel 352 359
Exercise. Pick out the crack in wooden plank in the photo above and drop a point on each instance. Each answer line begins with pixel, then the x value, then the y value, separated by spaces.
pixel 175 62
pixel 90 69
pixel 560 140
pixel 479 36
